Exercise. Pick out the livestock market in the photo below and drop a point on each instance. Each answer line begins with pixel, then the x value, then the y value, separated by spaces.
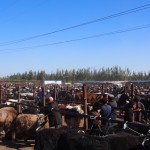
pixel 87 115
pixel 74 75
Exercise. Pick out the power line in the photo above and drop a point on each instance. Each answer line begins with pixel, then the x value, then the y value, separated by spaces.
pixel 140 8
pixel 85 38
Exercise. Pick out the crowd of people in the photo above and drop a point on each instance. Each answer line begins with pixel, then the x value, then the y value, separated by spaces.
pixel 133 111
pixel 105 107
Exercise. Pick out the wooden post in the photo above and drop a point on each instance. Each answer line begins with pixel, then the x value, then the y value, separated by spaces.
pixel 43 94
pixel 34 92
pixel 0 94
pixel 132 91
pixel 85 106
pixel 125 88
pixel 106 87
pixel 19 108
pixel 102 88
pixel 55 92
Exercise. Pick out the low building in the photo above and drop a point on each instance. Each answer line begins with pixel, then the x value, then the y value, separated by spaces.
pixel 52 82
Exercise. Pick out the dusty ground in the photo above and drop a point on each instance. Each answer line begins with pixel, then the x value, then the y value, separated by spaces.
pixel 19 145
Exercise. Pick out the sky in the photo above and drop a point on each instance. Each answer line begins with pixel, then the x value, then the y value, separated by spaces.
pixel 46 35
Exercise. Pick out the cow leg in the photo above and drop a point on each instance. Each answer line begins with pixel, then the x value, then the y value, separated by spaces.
pixel 14 139
pixel 2 132
pixel 26 141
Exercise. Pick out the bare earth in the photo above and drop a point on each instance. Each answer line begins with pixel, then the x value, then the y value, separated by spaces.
pixel 20 145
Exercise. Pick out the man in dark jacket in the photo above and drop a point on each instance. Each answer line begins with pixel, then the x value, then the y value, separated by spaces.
pixel 54 116
pixel 139 108
pixel 129 111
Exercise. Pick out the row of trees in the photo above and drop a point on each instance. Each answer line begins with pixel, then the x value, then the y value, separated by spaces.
pixel 103 74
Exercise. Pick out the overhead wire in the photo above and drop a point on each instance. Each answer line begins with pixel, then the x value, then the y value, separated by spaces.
pixel 85 38
pixel 133 10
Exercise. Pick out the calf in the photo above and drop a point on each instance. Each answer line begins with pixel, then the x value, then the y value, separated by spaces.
pixel 27 124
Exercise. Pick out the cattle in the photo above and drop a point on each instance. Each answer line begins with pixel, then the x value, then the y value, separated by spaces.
pixel 91 97
pixel 30 107
pixel 47 139
pixel 7 117
pixel 71 139
pixel 26 125
pixel 26 106
pixel 73 115
pixel 65 96
pixel 123 141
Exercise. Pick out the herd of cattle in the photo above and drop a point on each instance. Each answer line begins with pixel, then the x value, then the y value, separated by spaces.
pixel 31 122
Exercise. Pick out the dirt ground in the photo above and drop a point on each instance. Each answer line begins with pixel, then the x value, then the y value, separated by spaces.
pixel 19 145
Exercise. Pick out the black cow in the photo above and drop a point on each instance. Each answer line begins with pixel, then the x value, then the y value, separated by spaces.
pixel 124 141
pixel 47 139
pixel 69 139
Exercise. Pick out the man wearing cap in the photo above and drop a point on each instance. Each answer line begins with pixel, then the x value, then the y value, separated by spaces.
pixel 53 115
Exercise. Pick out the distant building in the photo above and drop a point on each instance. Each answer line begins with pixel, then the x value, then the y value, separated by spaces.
pixel 52 82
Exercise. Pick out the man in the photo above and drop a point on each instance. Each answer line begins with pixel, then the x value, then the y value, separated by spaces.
pixel 54 116
pixel 139 108
pixel 129 111
pixel 112 102
pixel 106 110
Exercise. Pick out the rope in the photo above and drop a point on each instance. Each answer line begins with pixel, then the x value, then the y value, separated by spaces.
pixel 126 127
pixel 145 139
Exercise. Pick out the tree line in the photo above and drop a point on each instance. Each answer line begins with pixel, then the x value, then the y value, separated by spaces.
pixel 103 74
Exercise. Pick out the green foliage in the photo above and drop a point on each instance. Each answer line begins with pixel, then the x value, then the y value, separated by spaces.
pixel 103 74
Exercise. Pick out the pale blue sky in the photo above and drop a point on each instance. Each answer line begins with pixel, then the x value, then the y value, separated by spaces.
pixel 20 19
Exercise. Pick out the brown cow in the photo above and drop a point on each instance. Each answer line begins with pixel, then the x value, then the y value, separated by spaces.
pixel 91 97
pixel 27 124
pixel 7 116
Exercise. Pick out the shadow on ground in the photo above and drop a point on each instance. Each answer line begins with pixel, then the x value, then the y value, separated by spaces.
pixel 19 145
